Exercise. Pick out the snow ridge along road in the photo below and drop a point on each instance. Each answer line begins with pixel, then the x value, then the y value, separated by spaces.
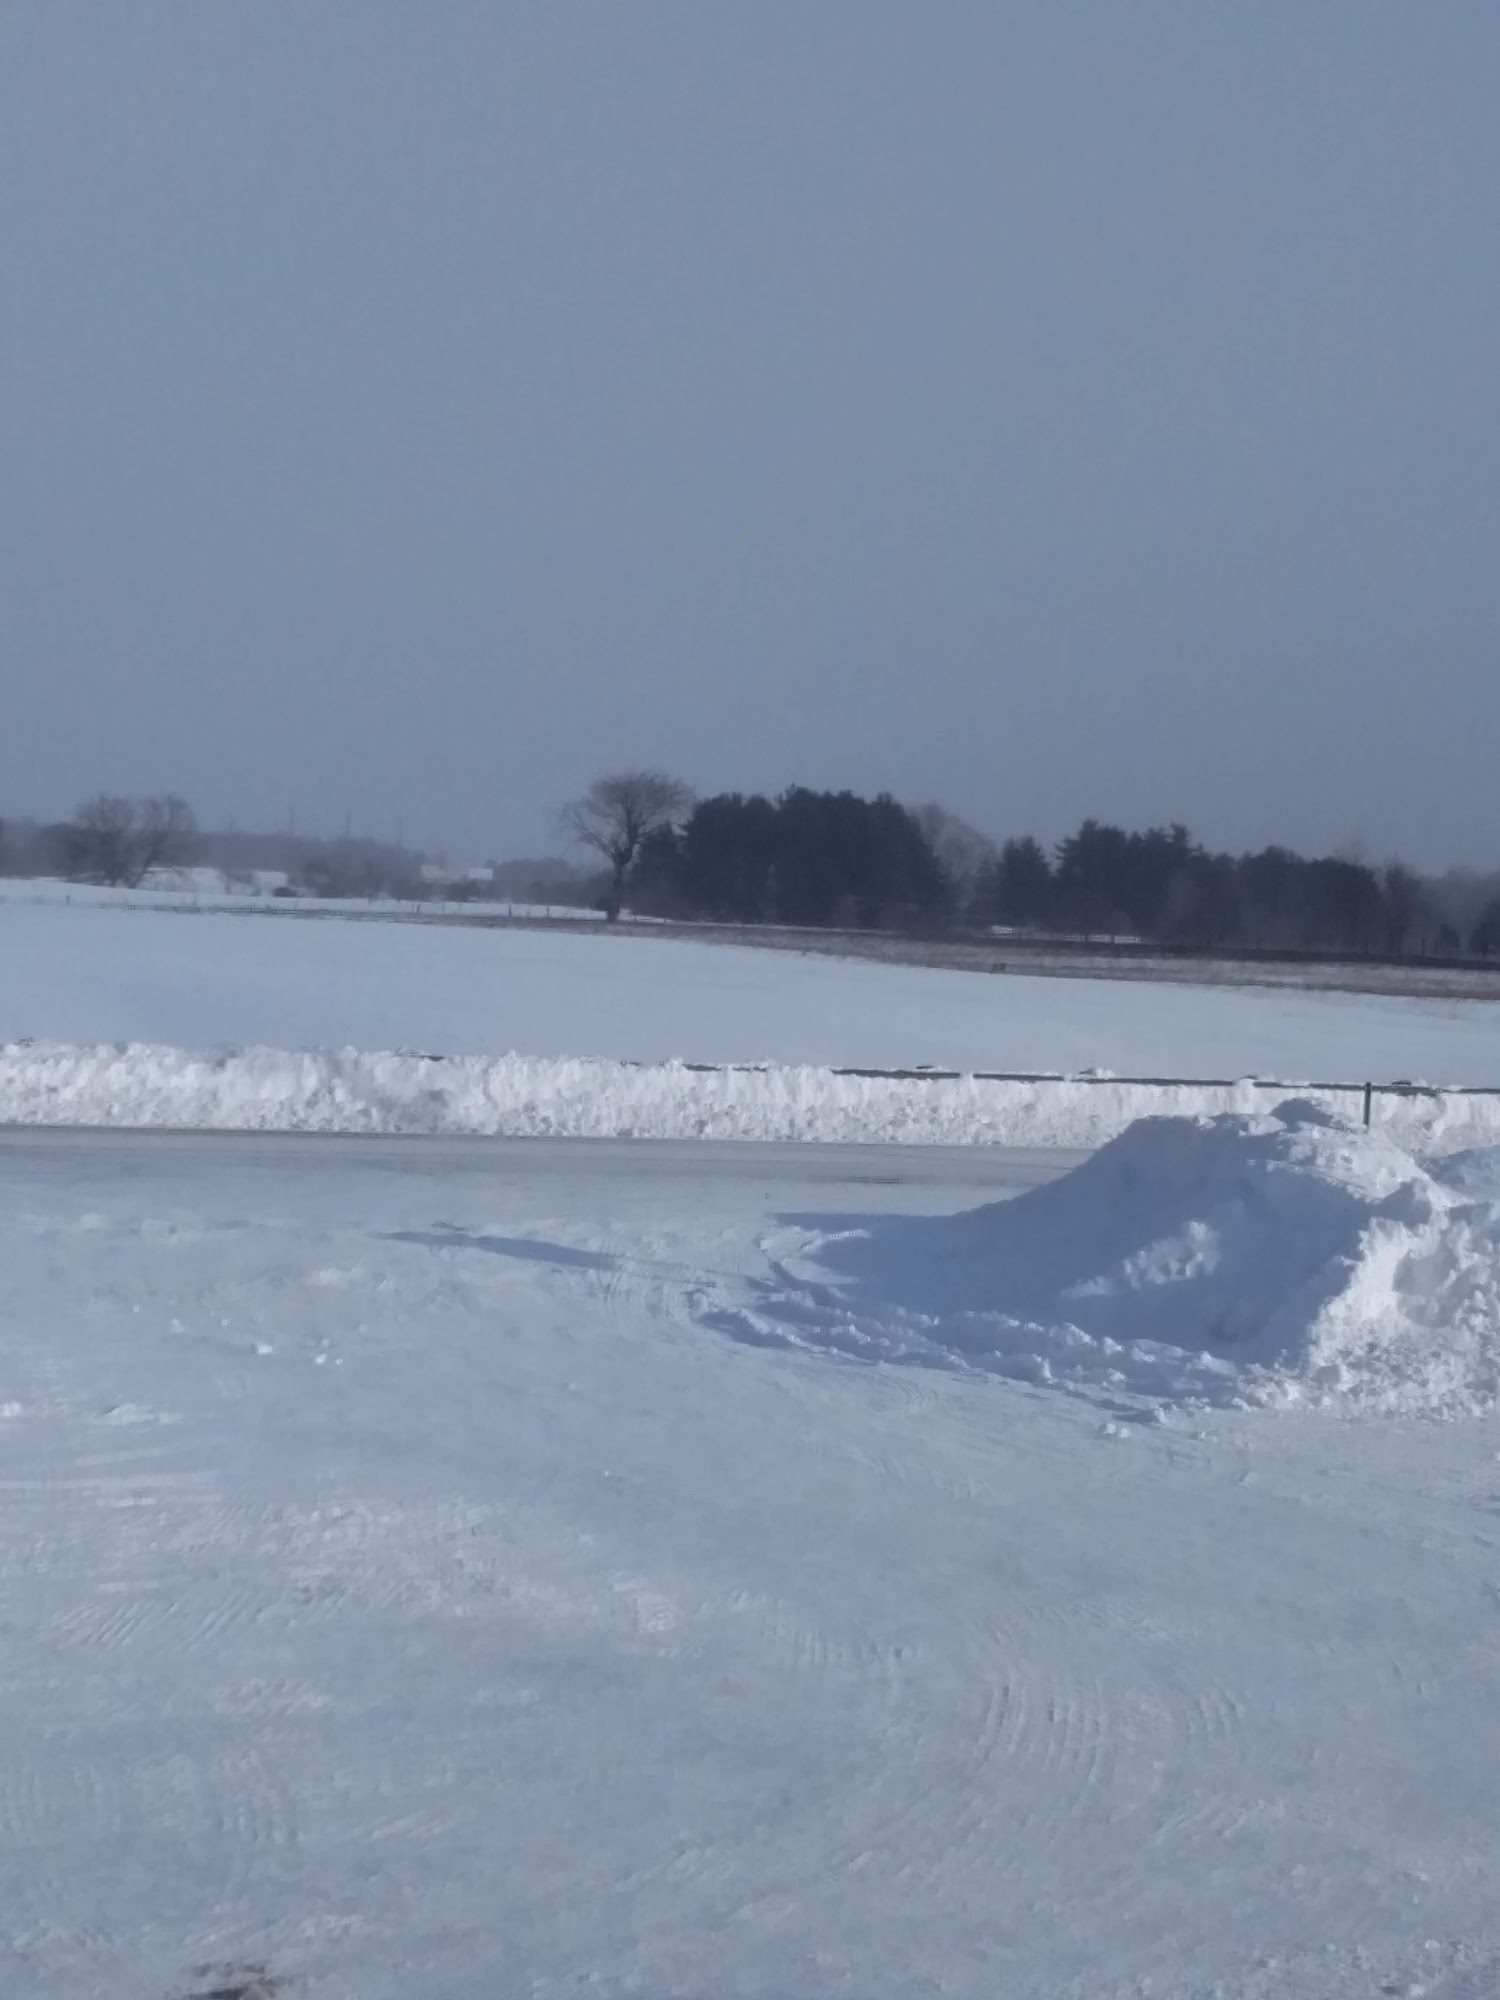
pixel 353 1091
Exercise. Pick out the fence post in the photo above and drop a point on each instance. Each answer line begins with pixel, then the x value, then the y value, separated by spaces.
pixel 1369 1093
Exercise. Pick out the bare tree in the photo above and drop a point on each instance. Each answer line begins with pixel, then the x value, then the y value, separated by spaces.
pixel 165 834
pixel 96 841
pixel 119 841
pixel 614 817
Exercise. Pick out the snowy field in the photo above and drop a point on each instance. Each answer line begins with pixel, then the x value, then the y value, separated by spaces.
pixel 465 1570
pixel 188 891
pixel 91 975
pixel 114 1016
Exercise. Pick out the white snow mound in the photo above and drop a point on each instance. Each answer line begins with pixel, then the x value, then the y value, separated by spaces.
pixel 1289 1258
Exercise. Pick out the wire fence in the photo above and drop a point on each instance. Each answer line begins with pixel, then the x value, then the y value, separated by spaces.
pixel 1367 1093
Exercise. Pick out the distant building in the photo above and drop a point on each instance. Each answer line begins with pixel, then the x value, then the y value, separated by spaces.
pixel 440 877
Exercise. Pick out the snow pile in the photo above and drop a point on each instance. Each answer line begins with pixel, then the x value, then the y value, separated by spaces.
pixel 1285 1258
pixel 267 1089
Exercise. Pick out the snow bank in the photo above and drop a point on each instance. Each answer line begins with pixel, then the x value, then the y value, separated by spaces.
pixel 265 1089
pixel 1285 1258
pixel 1214 1248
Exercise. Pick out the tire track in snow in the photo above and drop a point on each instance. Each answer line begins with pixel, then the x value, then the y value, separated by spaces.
pixel 1067 1718
pixel 1015 1753
pixel 217 1796
pixel 1064 1718
pixel 164 1585
pixel 217 1801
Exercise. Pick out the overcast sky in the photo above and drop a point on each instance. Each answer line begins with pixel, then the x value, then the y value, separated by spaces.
pixel 1059 407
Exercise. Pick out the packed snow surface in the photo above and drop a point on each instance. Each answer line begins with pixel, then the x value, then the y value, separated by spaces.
pixel 425 1575
pixel 210 980
pixel 1275 1259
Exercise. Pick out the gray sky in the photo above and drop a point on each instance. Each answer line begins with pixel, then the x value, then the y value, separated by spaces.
pixel 1048 408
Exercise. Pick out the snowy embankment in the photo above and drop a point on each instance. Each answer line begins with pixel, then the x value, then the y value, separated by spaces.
pixel 351 1091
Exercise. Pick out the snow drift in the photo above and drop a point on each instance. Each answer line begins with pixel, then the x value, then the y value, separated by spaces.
pixel 517 1096
pixel 1285 1258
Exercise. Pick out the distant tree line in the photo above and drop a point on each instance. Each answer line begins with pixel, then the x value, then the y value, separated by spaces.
pixel 820 858
pixel 110 840
pixel 837 859
pixel 117 842
pixel 1163 886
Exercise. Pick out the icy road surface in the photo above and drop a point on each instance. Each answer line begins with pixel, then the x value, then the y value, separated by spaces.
pixel 411 1584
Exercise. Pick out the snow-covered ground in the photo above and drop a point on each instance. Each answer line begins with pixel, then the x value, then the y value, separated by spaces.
pixel 433 1567
pixel 187 891
pixel 473 1570
pixel 113 1015
pixel 117 1016
pixel 97 974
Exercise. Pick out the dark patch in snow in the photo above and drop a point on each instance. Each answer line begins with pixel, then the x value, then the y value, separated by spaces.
pixel 528 1249
pixel 237 1982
